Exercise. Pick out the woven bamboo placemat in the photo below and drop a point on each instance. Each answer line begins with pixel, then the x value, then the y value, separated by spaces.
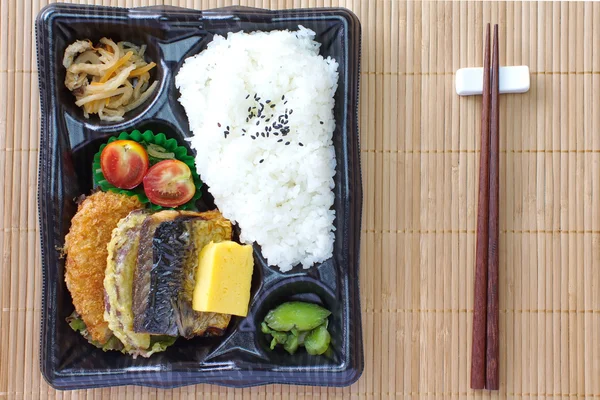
pixel 420 158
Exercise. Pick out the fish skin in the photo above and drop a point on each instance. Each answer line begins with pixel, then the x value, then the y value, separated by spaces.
pixel 170 240
pixel 142 283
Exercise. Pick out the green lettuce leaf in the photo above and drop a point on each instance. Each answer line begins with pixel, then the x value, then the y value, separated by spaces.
pixel 76 323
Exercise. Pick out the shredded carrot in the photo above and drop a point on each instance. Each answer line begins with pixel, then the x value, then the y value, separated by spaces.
pixel 141 71
pixel 90 107
pixel 112 69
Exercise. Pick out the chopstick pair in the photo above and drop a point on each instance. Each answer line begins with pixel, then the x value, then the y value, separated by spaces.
pixel 484 361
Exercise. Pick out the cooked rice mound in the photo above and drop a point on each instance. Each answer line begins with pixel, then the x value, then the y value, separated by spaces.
pixel 260 106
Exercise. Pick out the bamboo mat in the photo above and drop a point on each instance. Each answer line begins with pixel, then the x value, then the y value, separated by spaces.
pixel 420 159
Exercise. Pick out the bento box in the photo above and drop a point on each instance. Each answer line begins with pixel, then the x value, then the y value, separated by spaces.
pixel 241 357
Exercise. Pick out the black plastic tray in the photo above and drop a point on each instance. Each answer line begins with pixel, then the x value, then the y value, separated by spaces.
pixel 69 141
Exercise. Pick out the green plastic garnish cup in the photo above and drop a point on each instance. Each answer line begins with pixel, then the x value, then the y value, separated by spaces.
pixel 149 138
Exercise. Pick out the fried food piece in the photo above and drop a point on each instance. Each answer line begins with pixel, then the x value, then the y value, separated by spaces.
pixel 118 283
pixel 86 250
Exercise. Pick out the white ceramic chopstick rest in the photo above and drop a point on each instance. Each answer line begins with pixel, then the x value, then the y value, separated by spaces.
pixel 469 81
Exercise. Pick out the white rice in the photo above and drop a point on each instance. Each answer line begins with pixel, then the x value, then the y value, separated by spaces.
pixel 280 195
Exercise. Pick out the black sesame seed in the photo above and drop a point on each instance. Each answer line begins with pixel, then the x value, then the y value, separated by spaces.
pixel 280 140
pixel 262 159
pixel 249 108
pixel 285 102
pixel 291 112
pixel 263 116
pixel 287 143
pixel 219 124
pixel 248 96
pixel 253 137
pixel 273 105
pixel 262 134
pixel 276 133
pixel 267 101
pixel 300 144
pixel 243 130
pixel 247 119
pixel 227 127
pixel 257 122
pixel 286 116
pixel 321 122
pixel 283 97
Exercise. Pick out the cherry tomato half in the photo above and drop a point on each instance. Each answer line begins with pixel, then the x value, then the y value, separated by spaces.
pixel 124 163
pixel 169 183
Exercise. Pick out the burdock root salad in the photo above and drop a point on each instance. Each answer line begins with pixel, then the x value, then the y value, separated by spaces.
pixel 108 79
pixel 260 106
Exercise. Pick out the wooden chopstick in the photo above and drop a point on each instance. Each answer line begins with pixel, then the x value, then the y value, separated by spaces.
pixel 478 351
pixel 492 377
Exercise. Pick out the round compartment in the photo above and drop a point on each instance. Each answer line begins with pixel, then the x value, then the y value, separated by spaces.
pixel 138 34
pixel 311 291
pixel 85 152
